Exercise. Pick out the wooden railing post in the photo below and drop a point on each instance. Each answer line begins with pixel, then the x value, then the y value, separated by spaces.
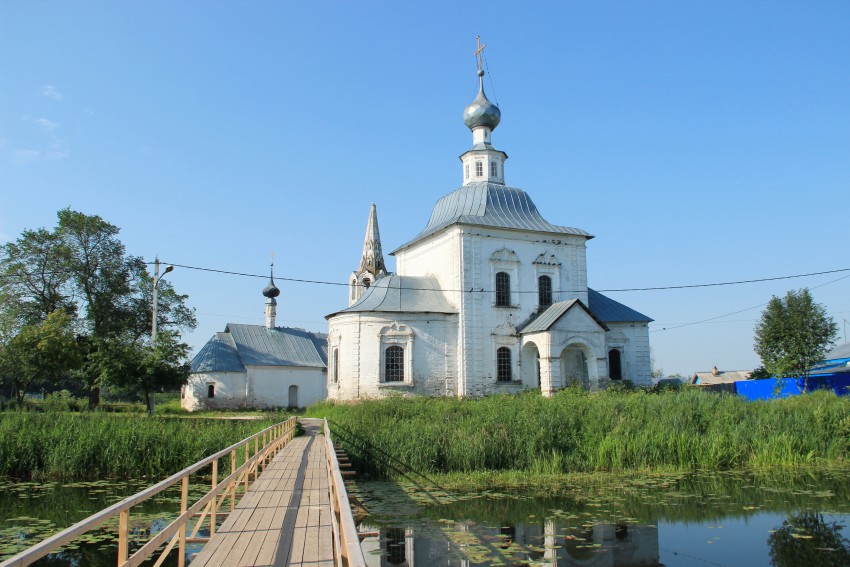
pixel 257 462
pixel 247 470
pixel 184 505
pixel 232 482
pixel 123 528
pixel 213 503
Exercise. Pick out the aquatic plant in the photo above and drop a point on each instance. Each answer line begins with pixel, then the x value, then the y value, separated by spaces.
pixel 92 445
pixel 580 431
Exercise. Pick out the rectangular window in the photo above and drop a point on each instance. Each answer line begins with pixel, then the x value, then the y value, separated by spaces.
pixel 503 365
pixel 493 169
pixel 394 364
pixel 503 290
pixel 479 169
pixel 210 390
pixel 466 171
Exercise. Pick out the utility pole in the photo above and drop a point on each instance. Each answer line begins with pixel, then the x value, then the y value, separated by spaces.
pixel 156 279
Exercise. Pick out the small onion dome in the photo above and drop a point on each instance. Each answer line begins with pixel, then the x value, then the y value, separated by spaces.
pixel 271 290
pixel 482 112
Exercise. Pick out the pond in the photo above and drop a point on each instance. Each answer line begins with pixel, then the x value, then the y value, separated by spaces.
pixel 672 520
pixel 33 511
pixel 700 519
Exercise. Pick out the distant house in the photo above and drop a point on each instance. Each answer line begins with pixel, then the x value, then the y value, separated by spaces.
pixel 715 376
pixel 836 361
pixel 256 366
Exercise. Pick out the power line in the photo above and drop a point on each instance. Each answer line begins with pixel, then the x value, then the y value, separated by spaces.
pixel 482 290
pixel 743 310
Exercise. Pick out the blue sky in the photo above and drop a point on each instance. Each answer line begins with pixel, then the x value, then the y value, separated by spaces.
pixel 699 141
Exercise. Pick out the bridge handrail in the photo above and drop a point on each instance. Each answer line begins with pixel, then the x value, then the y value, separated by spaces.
pixel 274 437
pixel 347 550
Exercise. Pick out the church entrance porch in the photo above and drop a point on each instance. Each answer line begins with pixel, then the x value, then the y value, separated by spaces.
pixel 530 365
pixel 573 361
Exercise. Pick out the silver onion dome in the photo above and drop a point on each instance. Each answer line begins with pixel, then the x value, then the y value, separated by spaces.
pixel 271 291
pixel 481 112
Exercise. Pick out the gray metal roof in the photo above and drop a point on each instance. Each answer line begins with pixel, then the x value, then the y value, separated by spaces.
pixel 218 355
pixel 550 316
pixel 612 311
pixel 255 345
pixel 841 351
pixel 281 346
pixel 396 294
pixel 490 204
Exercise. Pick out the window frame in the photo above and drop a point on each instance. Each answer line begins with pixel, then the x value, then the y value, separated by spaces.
pixel 399 335
pixel 544 294
pixel 503 289
pixel 479 168
pixel 504 365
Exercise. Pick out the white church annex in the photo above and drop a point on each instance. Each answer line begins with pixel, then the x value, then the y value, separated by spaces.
pixel 489 297
pixel 256 366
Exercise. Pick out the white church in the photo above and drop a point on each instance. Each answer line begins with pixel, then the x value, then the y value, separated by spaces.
pixel 489 297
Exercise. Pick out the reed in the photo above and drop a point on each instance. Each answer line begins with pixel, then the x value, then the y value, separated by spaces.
pixel 94 445
pixel 578 431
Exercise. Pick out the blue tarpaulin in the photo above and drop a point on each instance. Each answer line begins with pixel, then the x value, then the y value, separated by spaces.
pixel 769 388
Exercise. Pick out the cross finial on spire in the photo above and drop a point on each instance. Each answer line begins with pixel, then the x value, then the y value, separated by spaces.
pixel 479 52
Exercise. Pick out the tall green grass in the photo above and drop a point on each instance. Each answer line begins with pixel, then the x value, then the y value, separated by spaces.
pixel 91 445
pixel 578 431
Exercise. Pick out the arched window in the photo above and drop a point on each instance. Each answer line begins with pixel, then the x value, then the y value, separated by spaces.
pixel 394 364
pixel 493 169
pixel 544 291
pixel 503 365
pixel 353 289
pixel 479 168
pixel 503 289
pixel 366 283
pixel 210 390
pixel 335 377
pixel 293 396
pixel 615 367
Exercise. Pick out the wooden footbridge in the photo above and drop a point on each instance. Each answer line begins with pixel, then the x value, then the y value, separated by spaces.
pixel 286 504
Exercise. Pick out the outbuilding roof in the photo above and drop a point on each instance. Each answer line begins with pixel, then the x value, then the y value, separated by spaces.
pixel 550 316
pixel 218 355
pixel 612 311
pixel 255 345
pixel 401 294
pixel 493 205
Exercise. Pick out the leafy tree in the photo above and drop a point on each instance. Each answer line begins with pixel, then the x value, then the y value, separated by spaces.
pixel 806 539
pixel 136 366
pixel 40 352
pixel 82 267
pixel 35 276
pixel 794 334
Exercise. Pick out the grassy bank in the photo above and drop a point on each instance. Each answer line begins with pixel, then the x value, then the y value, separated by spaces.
pixel 577 431
pixel 91 445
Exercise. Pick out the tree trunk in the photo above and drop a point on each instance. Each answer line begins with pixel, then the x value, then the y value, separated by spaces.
pixel 151 400
pixel 94 398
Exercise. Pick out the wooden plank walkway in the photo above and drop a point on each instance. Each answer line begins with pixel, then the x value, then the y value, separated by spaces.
pixel 285 518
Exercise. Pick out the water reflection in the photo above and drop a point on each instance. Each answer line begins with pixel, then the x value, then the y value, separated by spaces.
pixel 545 544
pixel 675 520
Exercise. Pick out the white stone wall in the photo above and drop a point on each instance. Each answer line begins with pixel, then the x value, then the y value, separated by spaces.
pixel 269 385
pixel 357 336
pixel 632 339
pixel 259 387
pixel 461 258
pixel 229 391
